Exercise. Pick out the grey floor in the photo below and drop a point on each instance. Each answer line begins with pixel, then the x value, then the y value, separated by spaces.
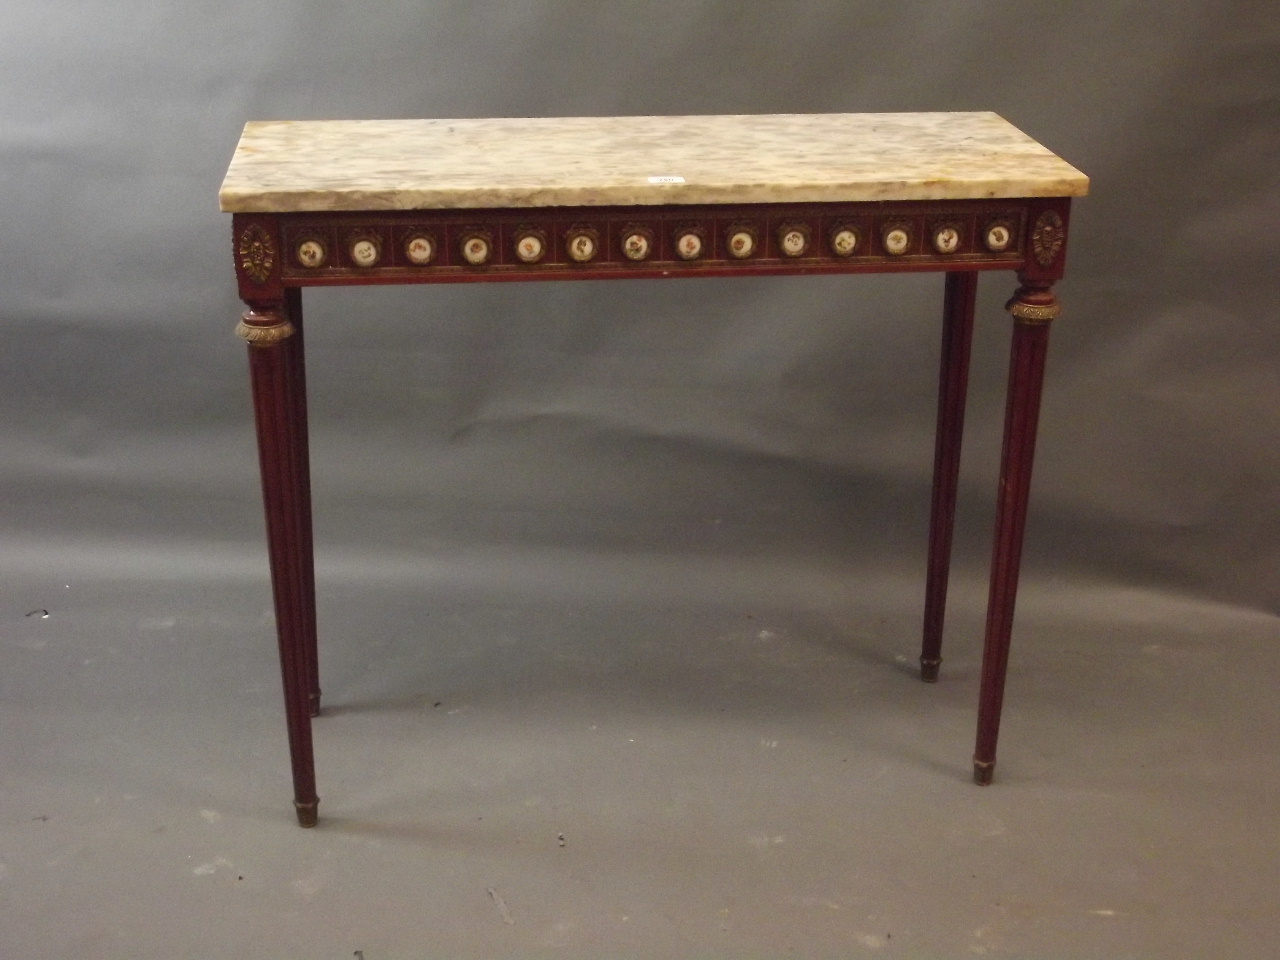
pixel 548 751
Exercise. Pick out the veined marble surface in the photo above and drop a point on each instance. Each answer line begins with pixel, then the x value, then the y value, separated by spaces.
pixel 287 166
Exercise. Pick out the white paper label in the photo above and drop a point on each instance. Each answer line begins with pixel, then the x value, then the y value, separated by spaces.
pixel 666 179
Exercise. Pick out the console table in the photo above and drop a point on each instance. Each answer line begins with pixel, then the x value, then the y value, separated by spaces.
pixel 346 203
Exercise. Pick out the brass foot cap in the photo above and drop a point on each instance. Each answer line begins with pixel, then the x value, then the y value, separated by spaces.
pixel 983 772
pixel 307 814
pixel 929 670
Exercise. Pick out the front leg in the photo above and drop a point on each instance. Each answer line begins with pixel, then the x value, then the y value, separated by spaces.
pixel 279 408
pixel 1033 307
pixel 296 363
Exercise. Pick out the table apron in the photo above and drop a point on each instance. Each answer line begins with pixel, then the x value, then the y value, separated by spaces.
pixel 318 248
pixel 665 272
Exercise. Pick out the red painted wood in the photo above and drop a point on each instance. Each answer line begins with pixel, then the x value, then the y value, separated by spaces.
pixel 1022 412
pixel 273 376
pixel 953 382
pixel 665 271
pixel 295 356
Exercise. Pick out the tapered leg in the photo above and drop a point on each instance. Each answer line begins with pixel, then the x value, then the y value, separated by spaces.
pixel 273 366
pixel 295 357
pixel 953 383
pixel 1033 307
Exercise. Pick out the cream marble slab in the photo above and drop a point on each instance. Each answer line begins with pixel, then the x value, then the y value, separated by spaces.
pixel 287 166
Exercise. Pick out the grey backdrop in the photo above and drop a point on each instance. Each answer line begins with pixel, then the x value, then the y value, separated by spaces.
pixel 125 397
pixel 655 442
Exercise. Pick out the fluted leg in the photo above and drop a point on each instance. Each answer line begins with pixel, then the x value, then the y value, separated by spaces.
pixel 295 357
pixel 953 381
pixel 1033 307
pixel 278 402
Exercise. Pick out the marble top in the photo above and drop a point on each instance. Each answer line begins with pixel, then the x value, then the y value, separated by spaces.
pixel 286 166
